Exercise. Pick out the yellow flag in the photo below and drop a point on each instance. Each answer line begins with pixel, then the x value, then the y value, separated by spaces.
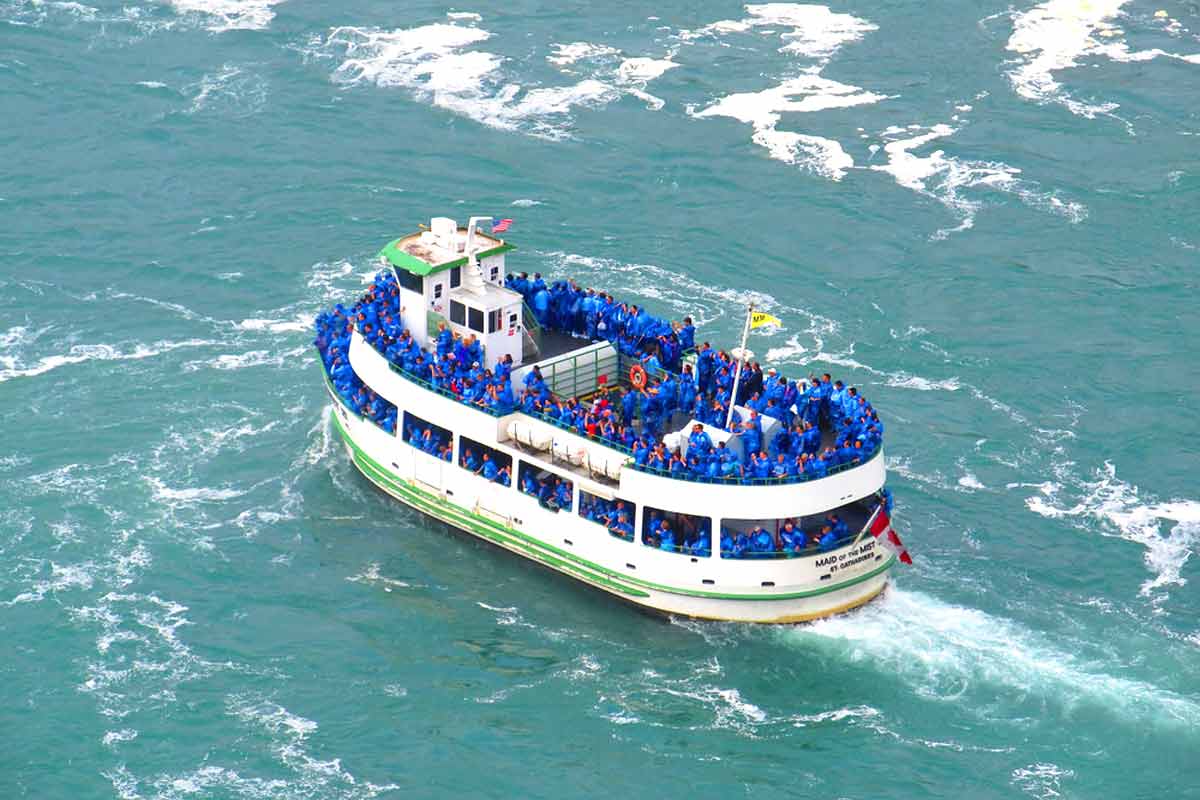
pixel 759 318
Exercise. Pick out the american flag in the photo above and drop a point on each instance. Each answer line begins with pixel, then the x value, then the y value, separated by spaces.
pixel 500 226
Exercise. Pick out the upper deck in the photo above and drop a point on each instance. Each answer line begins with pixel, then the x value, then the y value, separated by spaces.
pixel 674 428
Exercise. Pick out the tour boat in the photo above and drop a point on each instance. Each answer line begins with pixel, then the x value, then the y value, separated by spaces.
pixel 423 427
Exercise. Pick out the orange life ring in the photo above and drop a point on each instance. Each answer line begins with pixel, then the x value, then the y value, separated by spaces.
pixel 638 377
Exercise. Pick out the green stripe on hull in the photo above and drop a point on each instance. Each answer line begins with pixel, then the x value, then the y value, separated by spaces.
pixel 540 551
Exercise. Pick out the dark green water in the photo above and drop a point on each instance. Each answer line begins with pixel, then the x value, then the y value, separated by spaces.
pixel 983 215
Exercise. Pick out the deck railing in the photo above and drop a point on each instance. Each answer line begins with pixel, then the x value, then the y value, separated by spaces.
pixel 620 448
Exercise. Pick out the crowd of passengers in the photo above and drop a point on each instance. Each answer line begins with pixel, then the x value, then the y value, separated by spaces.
pixel 552 492
pixel 430 439
pixel 616 515
pixel 486 466
pixel 632 419
pixel 761 543
pixel 804 408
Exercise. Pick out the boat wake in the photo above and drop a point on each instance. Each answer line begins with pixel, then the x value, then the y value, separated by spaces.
pixel 946 651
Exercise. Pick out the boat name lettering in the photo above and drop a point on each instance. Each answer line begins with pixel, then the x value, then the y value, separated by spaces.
pixel 853 557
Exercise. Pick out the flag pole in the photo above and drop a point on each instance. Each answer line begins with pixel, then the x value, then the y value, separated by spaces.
pixel 870 521
pixel 737 374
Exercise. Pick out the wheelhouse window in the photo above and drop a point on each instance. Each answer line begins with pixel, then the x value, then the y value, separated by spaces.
pixel 494 318
pixel 616 515
pixel 486 462
pixel 677 533
pixel 410 281
pixel 475 319
pixel 455 277
pixel 437 291
pixel 427 437
pixel 458 313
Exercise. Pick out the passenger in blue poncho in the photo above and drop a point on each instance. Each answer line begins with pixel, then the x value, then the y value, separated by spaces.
pixel 666 536
pixel 761 540
pixel 699 442
pixel 793 540
pixel 828 539
pixel 488 469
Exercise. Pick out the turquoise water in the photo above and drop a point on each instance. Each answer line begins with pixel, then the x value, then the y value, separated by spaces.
pixel 983 214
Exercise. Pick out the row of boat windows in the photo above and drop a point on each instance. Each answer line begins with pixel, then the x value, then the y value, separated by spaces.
pixel 669 531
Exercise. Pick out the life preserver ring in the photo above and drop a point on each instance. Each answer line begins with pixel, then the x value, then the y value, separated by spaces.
pixel 638 377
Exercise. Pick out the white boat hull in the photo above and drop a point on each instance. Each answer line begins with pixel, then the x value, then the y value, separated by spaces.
pixel 764 591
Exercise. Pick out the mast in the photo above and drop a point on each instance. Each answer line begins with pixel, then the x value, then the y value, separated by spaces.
pixel 737 374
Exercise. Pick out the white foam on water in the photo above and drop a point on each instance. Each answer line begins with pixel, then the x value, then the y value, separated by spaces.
pixel 1041 780
pixel 1056 35
pixel 228 15
pixel 903 380
pixel 81 353
pixel 435 63
pixel 642 70
pixel 944 651
pixel 202 494
pixel 1122 512
pixel 152 84
pixel 970 481
pixel 253 358
pixel 371 575
pixel 466 16
pixel 812 32
pixel 944 178
pixel 807 93
pixel 113 738
pixel 526 202
pixel 564 55
pixel 302 322
pixel 231 90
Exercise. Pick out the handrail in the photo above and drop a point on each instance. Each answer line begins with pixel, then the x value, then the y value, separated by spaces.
pixel 529 319
pixel 424 384
pixel 346 404
pixel 620 448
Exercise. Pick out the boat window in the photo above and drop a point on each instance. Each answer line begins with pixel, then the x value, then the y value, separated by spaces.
pixel 475 319
pixel 486 462
pixel 677 533
pixel 512 320
pixel 437 291
pixel 427 437
pixel 409 281
pixel 552 491
pixel 495 274
pixel 455 277
pixel 458 313
pixel 494 318
pixel 616 515
pixel 788 537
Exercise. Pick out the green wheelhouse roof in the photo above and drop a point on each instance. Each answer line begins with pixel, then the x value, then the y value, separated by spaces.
pixel 400 259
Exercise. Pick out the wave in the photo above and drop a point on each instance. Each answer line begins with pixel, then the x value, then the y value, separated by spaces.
pixel 808 93
pixel 228 15
pixel 1122 512
pixel 82 353
pixel 1056 35
pixel 811 32
pixel 438 64
pixel 232 91
pixel 164 494
pixel 302 322
pixel 944 178
pixel 945 651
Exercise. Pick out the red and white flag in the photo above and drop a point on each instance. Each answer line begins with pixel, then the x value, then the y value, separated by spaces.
pixel 500 226
pixel 883 525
